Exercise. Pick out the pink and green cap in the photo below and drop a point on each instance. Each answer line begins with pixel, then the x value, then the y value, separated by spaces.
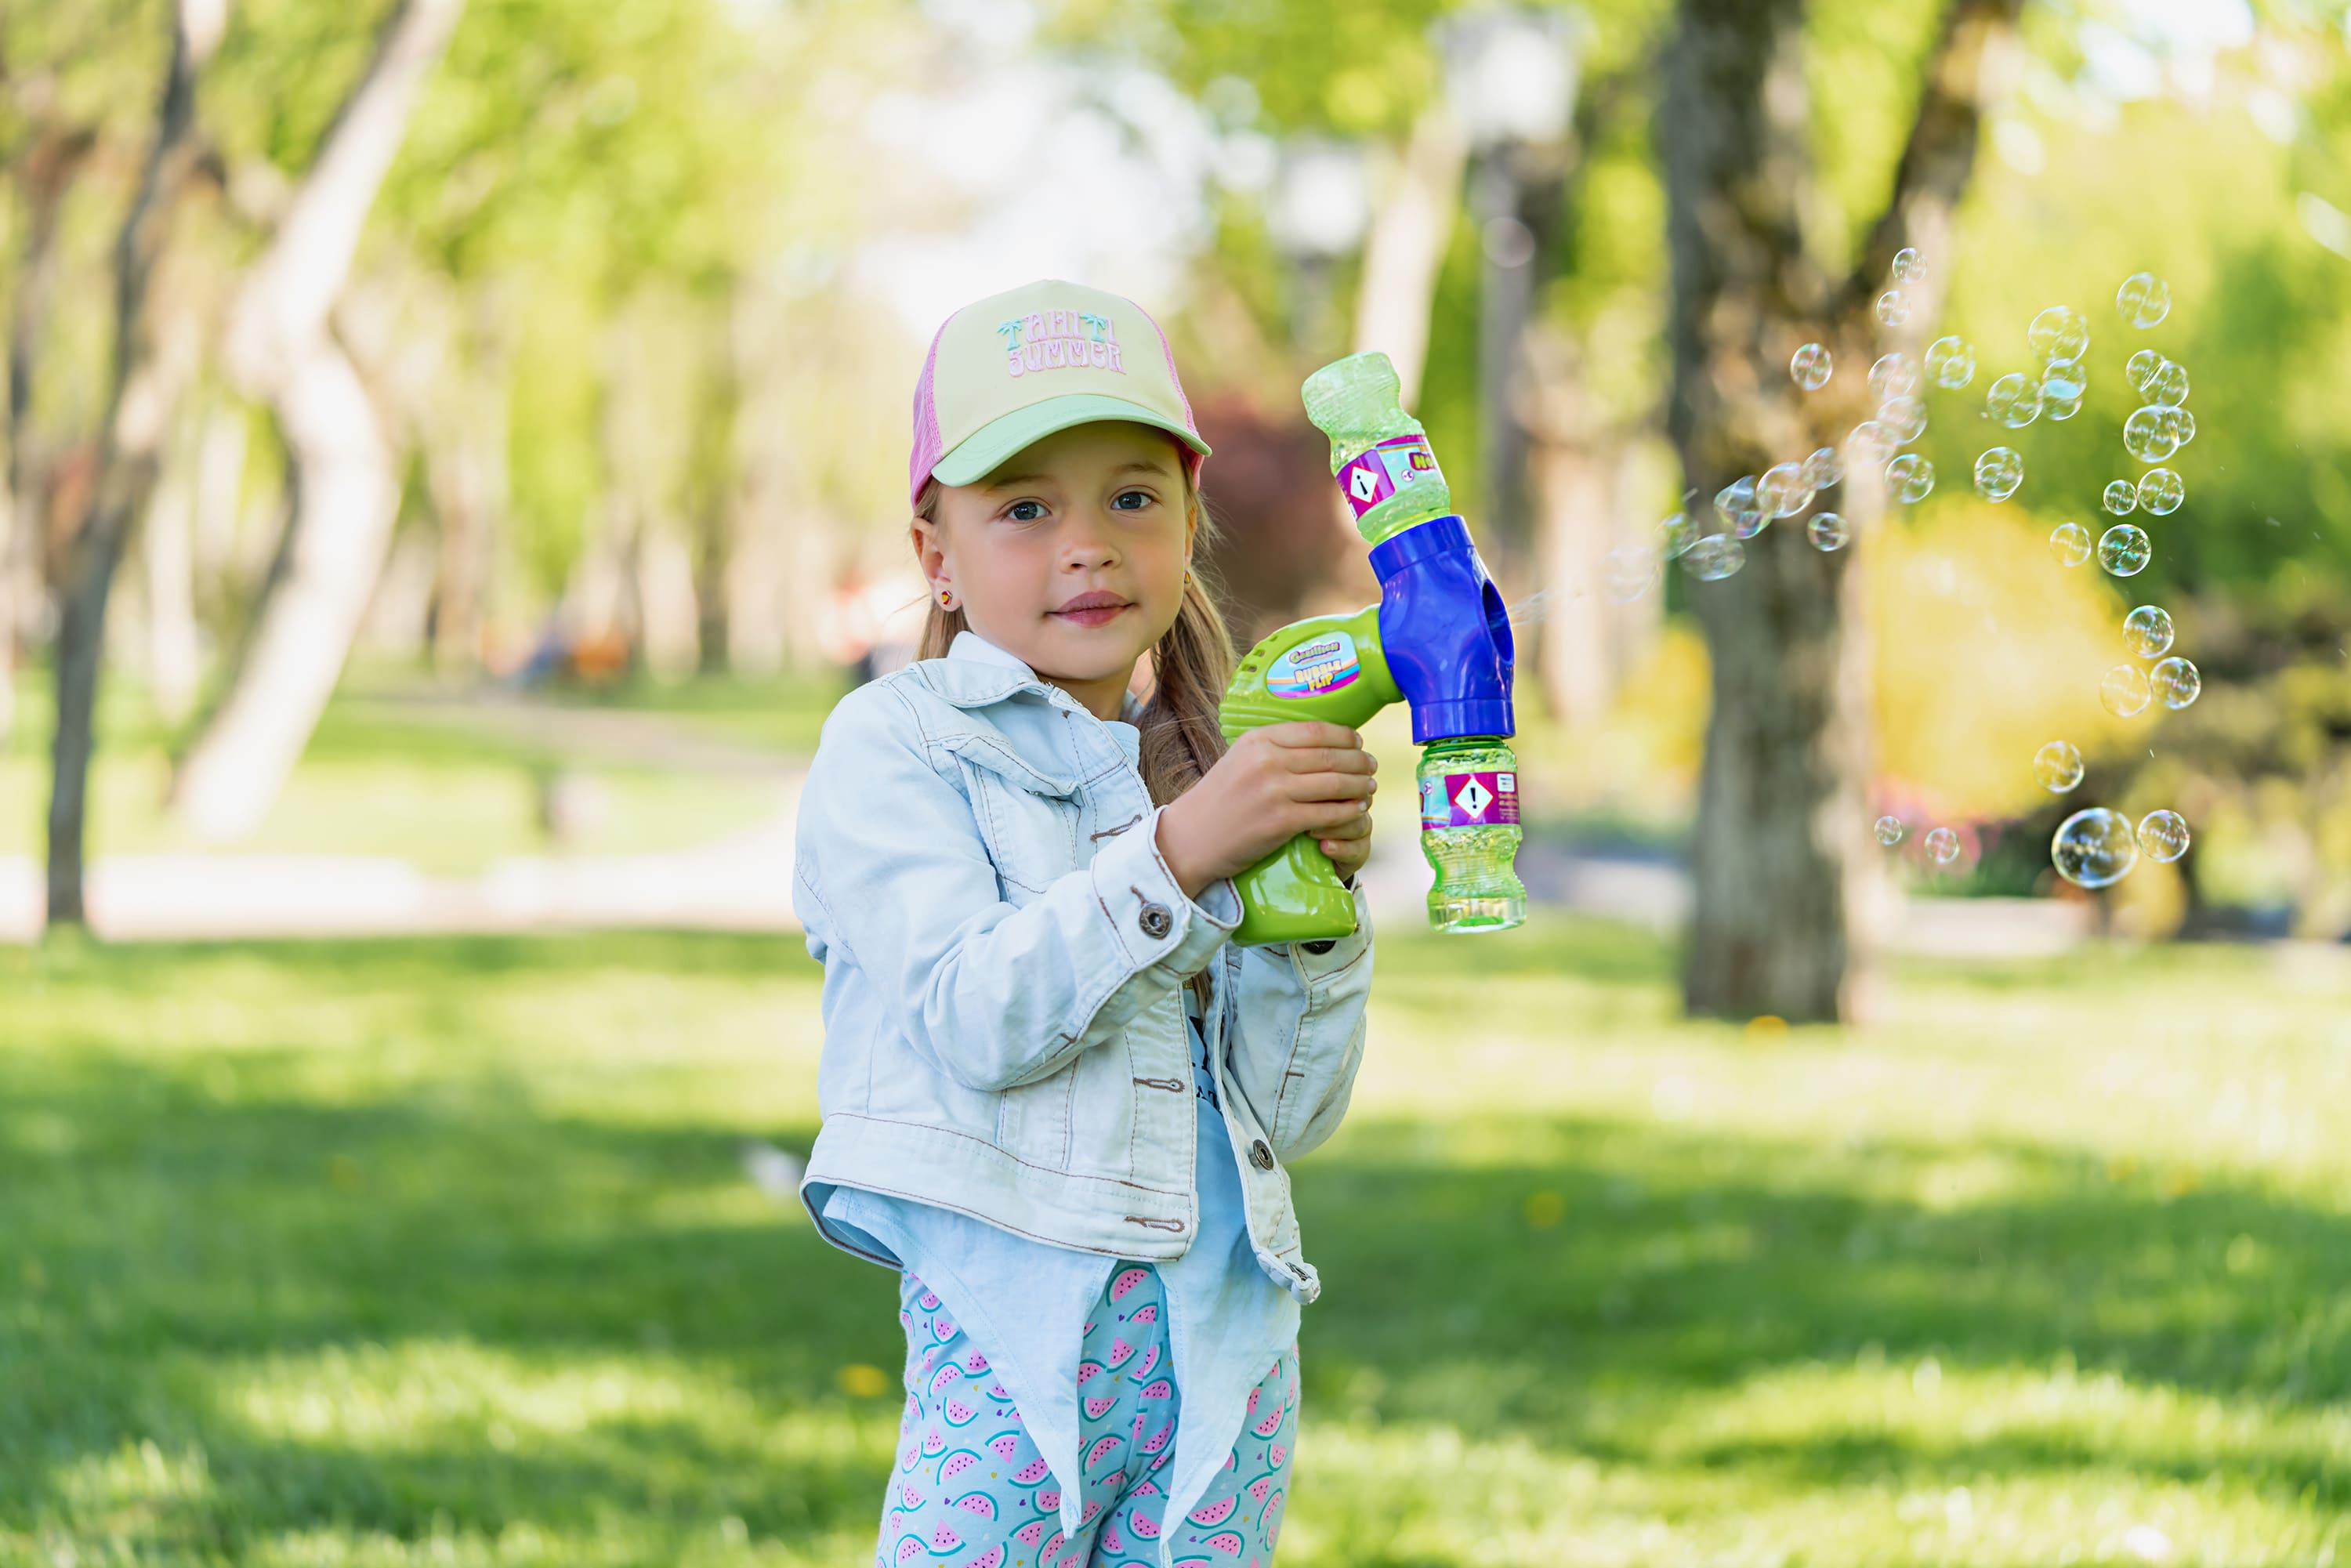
pixel 1015 367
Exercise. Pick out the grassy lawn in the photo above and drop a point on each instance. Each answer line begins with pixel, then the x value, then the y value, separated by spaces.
pixel 441 1252
pixel 386 776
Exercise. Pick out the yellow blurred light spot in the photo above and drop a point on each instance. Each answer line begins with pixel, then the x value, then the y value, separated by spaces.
pixel 863 1382
pixel 1545 1208
pixel 1767 1028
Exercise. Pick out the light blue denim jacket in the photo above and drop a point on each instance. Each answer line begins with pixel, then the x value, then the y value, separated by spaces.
pixel 978 870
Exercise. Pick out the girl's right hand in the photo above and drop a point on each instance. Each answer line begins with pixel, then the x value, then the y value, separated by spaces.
pixel 1276 782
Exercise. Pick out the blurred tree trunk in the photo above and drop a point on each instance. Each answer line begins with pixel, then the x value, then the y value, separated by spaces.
pixel 44 174
pixel 167 550
pixel 155 349
pixel 1518 197
pixel 1779 858
pixel 1410 226
pixel 464 431
pixel 281 351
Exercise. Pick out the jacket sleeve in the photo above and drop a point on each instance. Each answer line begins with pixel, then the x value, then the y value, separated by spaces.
pixel 1299 1023
pixel 889 864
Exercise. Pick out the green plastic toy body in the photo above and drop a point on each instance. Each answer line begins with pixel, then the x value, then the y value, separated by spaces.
pixel 1327 668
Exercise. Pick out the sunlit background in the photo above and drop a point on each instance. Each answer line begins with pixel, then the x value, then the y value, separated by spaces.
pixel 461 445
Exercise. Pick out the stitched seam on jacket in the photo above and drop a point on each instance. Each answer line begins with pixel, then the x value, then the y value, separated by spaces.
pixel 1016 1159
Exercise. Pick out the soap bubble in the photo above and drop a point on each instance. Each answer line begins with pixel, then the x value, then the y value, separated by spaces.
pixel 1999 472
pixel 1951 361
pixel 2147 631
pixel 2148 435
pixel 1893 308
pixel 1909 266
pixel 2142 368
pixel 2124 692
pixel 1679 532
pixel 2059 333
pixel 2064 381
pixel 1714 558
pixel 1910 477
pixel 2168 388
pixel 1811 366
pixel 1827 531
pixel 2124 549
pixel 2061 409
pixel 1905 418
pixel 1870 442
pixel 2163 835
pixel 1942 846
pixel 2095 848
pixel 2144 300
pixel 2177 681
pixel 2058 766
pixel 1631 570
pixel 1736 505
pixel 2179 424
pixel 1781 492
pixel 2013 401
pixel 1893 376
pixel 2160 491
pixel 1889 831
pixel 2122 497
pixel 2071 543
pixel 1823 468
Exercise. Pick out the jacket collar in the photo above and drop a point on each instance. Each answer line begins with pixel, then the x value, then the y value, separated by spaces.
pixel 976 671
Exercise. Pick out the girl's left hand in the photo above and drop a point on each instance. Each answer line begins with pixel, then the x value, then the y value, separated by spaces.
pixel 1348 846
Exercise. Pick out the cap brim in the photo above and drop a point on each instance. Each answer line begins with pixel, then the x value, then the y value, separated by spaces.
pixel 985 450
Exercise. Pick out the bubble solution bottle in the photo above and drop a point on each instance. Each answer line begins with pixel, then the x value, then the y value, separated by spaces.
pixel 1469 832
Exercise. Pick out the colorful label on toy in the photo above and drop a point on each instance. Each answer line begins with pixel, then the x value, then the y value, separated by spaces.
pixel 1468 801
pixel 1375 475
pixel 1316 665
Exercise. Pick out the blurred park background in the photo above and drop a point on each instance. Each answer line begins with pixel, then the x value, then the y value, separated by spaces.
pixel 453 462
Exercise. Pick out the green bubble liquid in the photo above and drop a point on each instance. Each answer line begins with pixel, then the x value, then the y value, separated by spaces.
pixel 1379 454
pixel 1470 834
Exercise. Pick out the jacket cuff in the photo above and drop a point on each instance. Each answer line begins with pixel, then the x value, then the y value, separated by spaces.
pixel 1150 914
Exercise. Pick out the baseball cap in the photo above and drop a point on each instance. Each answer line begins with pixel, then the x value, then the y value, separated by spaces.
pixel 1015 367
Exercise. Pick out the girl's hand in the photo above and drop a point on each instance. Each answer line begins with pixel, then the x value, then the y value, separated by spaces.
pixel 1277 782
pixel 1349 844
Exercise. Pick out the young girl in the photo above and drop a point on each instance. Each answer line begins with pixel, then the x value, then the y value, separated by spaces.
pixel 1054 1096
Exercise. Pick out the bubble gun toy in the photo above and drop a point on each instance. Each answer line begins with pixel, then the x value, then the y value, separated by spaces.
pixel 1439 638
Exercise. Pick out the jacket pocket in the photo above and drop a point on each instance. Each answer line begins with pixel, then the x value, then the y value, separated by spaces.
pixel 1027 818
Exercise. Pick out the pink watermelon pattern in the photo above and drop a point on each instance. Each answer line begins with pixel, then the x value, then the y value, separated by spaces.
pixel 963 1501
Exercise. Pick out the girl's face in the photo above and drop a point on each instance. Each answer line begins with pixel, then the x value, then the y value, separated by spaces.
pixel 1094 509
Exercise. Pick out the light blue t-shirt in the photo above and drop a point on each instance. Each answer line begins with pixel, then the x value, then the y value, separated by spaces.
pixel 1025 1303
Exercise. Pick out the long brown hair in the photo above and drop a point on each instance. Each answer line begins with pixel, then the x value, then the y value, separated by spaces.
pixel 1190 666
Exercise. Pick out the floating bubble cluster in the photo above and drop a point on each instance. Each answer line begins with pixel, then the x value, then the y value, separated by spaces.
pixel 1997 473
pixel 2168 388
pixel 2162 491
pixel 1889 831
pixel 1942 846
pixel 2095 848
pixel 2142 368
pixel 1678 534
pixel 1910 478
pixel 1951 361
pixel 1894 375
pixel 1823 468
pixel 2144 300
pixel 1737 506
pixel 1909 266
pixel 2121 497
pixel 1827 531
pixel 1905 419
pixel 2124 692
pixel 1870 443
pixel 2177 681
pixel 1714 558
pixel 1781 492
pixel 2163 835
pixel 2070 542
pixel 2059 333
pixel 1811 366
pixel 2147 631
pixel 2058 766
pixel 2148 436
pixel 2124 549
pixel 1893 308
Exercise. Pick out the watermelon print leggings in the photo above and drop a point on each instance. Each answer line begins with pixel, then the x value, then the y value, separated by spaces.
pixel 970 1489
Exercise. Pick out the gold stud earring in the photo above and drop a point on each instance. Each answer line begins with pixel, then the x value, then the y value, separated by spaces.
pixel 947 599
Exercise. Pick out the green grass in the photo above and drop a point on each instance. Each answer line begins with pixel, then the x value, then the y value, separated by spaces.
pixel 382 779
pixel 439 1252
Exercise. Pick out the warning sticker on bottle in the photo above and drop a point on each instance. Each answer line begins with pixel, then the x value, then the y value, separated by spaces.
pixel 1376 474
pixel 1318 665
pixel 1468 799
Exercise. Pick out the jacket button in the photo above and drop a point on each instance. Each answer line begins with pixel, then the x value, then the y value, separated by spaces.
pixel 1322 945
pixel 1155 921
pixel 1261 1156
